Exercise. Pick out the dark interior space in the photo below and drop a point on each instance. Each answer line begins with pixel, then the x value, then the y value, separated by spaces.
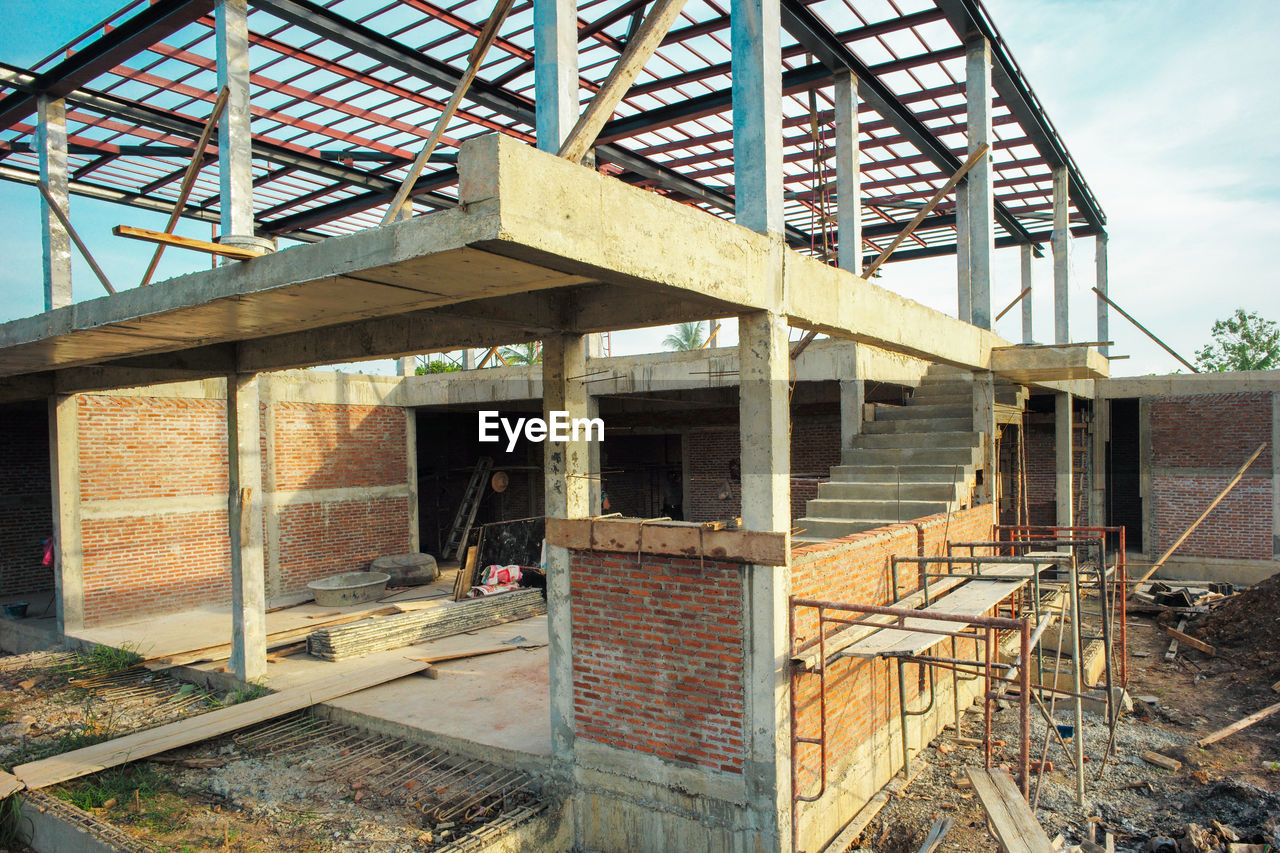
pixel 1124 492
pixel 26 502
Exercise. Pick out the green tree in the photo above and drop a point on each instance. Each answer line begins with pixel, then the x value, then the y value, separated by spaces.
pixel 687 336
pixel 435 366
pixel 1243 341
pixel 530 353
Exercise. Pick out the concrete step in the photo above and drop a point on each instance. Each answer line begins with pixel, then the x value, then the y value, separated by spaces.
pixel 920 425
pixel 913 440
pixel 905 473
pixel 930 397
pixel 903 510
pixel 821 529
pixel 888 491
pixel 912 456
pixel 917 412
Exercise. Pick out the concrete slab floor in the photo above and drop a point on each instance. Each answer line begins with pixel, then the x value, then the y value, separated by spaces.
pixel 496 706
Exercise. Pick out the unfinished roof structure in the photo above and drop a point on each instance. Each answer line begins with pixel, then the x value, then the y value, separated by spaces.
pixel 397 178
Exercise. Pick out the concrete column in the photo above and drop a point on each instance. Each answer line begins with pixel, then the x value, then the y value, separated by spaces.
pixel 411 474
pixel 244 520
pixel 1062 442
pixel 51 140
pixel 1028 334
pixel 271 504
pixel 1061 296
pixel 848 174
pixel 984 423
pixel 755 38
pixel 555 70
pixel 235 140
pixel 468 359
pixel 1100 260
pixel 1099 437
pixel 567 495
pixel 964 287
pixel 64 470
pixel 406 366
pixel 1275 472
pixel 852 398
pixel 980 194
pixel 764 418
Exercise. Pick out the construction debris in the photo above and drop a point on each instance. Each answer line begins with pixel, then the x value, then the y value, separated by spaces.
pixel 356 640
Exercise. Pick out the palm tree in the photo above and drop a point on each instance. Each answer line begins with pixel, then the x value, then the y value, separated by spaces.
pixel 530 353
pixel 687 336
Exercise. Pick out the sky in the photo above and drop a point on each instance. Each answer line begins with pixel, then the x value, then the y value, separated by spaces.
pixel 1167 106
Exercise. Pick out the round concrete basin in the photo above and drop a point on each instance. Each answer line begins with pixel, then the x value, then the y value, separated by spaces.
pixel 349 588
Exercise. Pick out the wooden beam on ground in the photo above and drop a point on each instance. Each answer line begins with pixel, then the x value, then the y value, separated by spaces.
pixel 166 239
pixel 1238 725
pixel 1012 821
pixel 1145 330
pixel 942 193
pixel 1191 641
pixel 189 178
pixel 1173 646
pixel 483 42
pixel 71 231
pixel 639 49
pixel 1155 567
pixel 1021 296
pixel 475 654
pixel 1161 760
pixel 122 750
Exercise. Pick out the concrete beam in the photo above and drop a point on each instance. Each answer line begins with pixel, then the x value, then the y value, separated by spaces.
pixel 1037 364
pixel 555 70
pixel 848 174
pixel 764 423
pixel 1100 267
pixel 979 192
pixel 1028 332
pixel 566 467
pixel 1064 483
pixel 55 242
pixel 244 522
pixel 1061 238
pixel 64 470
pixel 235 139
pixel 755 30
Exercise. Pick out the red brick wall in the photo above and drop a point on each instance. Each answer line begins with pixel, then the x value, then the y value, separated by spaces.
pixel 1206 438
pixel 815 448
pixel 135 448
pixel 26 500
pixel 658 656
pixel 320 446
pixel 321 539
pixel 862 695
pixel 1042 473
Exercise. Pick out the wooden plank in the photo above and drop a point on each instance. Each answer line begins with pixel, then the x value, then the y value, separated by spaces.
pixel 235 252
pixel 189 178
pixel 1021 296
pixel 975 597
pixel 9 784
pixel 1161 760
pixel 1173 646
pixel 845 840
pixel 673 538
pixel 122 750
pixel 639 49
pixel 484 41
pixel 1145 330
pixel 1012 820
pixel 476 653
pixel 942 193
pixel 1191 641
pixel 466 577
pixel 1238 725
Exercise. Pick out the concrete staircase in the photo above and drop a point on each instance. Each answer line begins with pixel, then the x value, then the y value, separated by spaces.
pixel 911 461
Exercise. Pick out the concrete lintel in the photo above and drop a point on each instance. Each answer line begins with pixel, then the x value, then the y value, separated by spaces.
pixel 672 538
pixel 1188 384
pixel 1041 364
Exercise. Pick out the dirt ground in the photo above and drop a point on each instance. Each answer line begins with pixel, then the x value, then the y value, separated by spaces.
pixel 229 794
pixel 1234 782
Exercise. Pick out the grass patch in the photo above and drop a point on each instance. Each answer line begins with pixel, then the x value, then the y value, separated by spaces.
pixel 134 793
pixel 245 694
pixel 100 660
pixel 93 728
pixel 10 819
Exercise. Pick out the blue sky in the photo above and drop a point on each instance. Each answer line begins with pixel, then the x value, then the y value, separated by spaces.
pixel 1168 106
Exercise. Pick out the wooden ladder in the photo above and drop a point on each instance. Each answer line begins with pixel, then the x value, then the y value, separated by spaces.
pixel 457 538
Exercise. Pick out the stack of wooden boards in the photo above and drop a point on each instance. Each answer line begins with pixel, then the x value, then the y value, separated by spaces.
pixel 391 632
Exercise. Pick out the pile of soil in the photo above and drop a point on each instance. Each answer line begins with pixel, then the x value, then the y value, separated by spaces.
pixel 1248 625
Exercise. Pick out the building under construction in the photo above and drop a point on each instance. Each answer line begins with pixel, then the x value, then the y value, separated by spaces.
pixel 711 648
